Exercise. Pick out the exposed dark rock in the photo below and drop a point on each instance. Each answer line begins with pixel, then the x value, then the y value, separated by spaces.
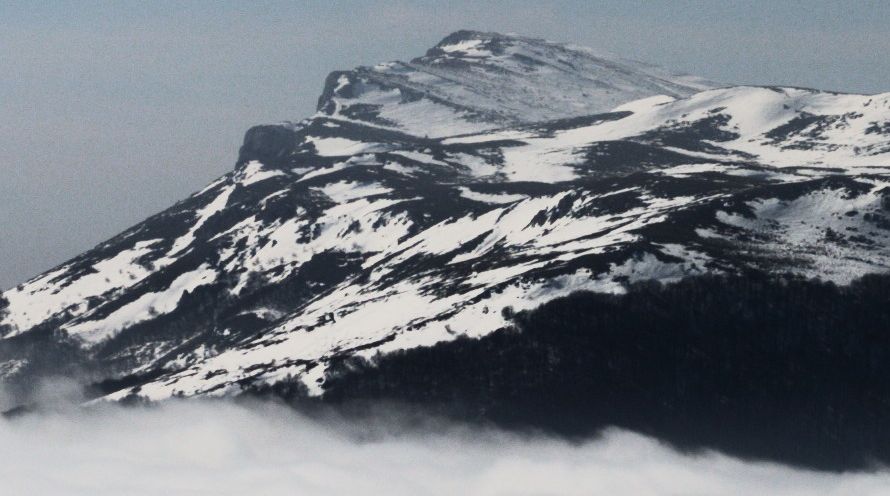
pixel 268 144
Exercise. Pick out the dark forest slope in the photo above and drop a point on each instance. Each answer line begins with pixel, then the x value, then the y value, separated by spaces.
pixel 781 368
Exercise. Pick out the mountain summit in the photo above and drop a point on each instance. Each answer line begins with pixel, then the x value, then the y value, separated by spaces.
pixel 473 81
pixel 431 200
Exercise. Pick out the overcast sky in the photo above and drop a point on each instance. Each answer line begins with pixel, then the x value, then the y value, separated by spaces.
pixel 111 111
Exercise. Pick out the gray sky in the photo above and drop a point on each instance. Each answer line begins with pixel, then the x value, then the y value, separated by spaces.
pixel 111 111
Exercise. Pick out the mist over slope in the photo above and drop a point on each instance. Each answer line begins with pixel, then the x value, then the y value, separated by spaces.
pixel 221 448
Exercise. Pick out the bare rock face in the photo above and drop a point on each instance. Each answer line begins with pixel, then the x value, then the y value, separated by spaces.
pixel 267 143
pixel 4 304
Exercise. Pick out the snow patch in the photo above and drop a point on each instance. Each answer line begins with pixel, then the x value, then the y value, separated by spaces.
pixel 490 198
pixel 345 191
pixel 146 307
pixel 253 172
pixel 339 147
pixel 57 292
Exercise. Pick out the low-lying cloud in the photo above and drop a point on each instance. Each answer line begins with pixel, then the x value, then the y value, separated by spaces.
pixel 220 447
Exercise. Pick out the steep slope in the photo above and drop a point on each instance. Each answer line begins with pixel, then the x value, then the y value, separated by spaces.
pixel 343 235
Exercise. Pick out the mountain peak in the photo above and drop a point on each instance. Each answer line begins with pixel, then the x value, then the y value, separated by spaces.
pixel 469 35
pixel 472 81
pixel 467 41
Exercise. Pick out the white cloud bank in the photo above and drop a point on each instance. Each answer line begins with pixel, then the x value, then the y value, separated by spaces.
pixel 221 448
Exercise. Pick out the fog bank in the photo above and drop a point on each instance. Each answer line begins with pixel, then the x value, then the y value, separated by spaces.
pixel 194 447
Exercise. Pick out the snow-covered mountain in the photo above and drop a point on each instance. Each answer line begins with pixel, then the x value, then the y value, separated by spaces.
pixel 429 200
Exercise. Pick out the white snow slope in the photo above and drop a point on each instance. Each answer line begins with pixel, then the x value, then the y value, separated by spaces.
pixel 423 199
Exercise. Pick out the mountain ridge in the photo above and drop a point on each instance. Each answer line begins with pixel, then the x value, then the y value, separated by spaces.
pixel 402 216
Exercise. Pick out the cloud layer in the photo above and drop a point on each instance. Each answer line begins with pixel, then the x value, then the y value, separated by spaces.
pixel 220 447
